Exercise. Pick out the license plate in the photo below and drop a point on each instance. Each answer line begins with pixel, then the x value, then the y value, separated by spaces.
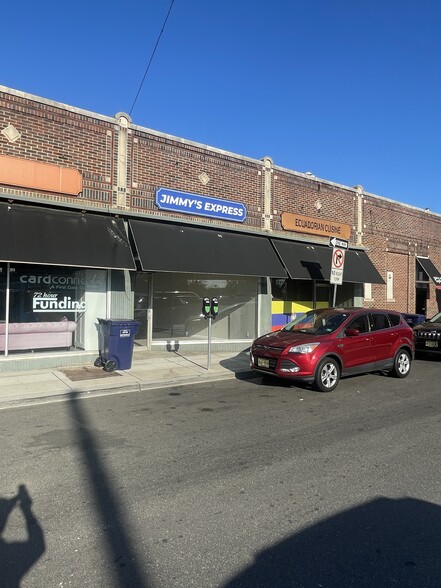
pixel 431 343
pixel 263 362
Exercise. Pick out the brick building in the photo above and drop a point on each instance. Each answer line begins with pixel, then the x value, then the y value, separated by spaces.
pixel 100 217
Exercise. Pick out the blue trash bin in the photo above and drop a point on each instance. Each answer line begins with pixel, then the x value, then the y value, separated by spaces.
pixel 413 319
pixel 116 343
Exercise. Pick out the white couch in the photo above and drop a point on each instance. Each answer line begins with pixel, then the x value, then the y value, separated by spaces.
pixel 44 335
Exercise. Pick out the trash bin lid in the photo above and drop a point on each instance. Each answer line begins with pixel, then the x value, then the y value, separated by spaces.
pixel 119 321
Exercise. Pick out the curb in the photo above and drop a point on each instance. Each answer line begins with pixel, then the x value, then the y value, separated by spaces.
pixel 140 386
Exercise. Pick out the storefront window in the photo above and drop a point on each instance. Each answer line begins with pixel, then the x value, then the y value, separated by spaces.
pixel 291 290
pixel 51 308
pixel 38 295
pixel 177 306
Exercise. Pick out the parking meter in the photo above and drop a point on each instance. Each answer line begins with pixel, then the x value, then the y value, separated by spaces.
pixel 206 308
pixel 214 307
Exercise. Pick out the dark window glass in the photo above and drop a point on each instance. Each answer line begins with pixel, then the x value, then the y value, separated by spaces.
pixel 177 306
pixel 380 321
pixel 394 319
pixel 279 289
pixel 301 290
pixel 44 294
pixel 360 323
pixel 292 290
pixel 322 293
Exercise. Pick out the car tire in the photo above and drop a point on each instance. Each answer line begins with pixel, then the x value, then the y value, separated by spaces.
pixel 402 364
pixel 327 375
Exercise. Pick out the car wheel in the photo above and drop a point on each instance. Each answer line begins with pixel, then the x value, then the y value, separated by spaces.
pixel 327 375
pixel 402 363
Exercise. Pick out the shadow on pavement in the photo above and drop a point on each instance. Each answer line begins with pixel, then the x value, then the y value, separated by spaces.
pixel 239 365
pixel 18 557
pixel 175 353
pixel 127 569
pixel 381 544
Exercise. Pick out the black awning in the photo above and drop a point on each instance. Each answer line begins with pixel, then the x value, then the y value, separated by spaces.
pixel 183 248
pixel 31 234
pixel 306 261
pixel 360 269
pixel 430 269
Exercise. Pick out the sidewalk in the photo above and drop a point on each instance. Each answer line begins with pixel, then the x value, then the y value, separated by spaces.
pixel 158 370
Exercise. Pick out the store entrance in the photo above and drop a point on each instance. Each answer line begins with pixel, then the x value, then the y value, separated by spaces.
pixel 421 298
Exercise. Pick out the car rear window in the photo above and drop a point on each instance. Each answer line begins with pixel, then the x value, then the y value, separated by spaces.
pixel 395 319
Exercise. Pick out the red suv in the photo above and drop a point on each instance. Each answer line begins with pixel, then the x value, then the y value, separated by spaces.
pixel 325 344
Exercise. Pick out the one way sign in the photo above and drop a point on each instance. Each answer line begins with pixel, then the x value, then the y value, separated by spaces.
pixel 335 242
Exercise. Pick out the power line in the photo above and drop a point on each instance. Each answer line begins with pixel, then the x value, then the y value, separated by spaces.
pixel 151 57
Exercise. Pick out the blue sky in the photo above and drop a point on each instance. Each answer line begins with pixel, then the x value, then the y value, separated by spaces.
pixel 349 90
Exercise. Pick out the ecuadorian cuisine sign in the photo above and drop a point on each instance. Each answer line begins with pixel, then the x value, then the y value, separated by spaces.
pixel 315 226
pixel 198 205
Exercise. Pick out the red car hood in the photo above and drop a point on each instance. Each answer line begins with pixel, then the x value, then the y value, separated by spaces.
pixel 285 338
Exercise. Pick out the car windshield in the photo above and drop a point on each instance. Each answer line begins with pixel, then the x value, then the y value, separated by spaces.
pixel 317 322
pixel 436 318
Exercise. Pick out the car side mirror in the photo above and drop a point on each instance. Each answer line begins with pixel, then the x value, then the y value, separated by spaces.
pixel 352 332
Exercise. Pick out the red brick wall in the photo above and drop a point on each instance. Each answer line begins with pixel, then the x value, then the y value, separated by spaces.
pixel 297 194
pixel 393 233
pixel 56 135
pixel 158 161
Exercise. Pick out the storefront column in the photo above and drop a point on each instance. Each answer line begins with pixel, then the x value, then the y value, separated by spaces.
pixel 359 209
pixel 121 192
pixel 264 312
pixel 267 196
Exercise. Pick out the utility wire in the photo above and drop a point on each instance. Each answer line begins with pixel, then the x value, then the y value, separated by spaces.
pixel 151 57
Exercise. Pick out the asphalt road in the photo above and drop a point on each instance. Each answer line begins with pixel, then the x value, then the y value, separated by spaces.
pixel 227 485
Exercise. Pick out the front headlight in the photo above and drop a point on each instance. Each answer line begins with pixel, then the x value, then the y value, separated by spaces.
pixel 305 348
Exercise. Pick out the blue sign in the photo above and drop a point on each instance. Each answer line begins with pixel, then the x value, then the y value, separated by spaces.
pixel 200 205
